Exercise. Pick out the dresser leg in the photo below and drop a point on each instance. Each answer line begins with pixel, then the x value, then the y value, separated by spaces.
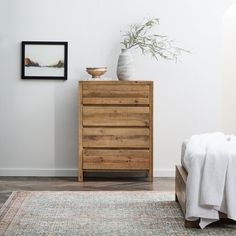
pixel 150 175
pixel 81 176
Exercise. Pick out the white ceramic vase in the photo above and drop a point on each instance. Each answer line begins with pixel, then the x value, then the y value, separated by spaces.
pixel 125 66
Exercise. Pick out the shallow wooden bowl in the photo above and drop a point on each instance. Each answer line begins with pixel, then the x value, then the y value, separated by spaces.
pixel 96 72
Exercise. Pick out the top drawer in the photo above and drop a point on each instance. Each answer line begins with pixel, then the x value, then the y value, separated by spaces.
pixel 116 93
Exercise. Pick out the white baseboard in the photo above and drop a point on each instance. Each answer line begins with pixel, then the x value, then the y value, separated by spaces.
pixel 164 172
pixel 66 172
pixel 38 172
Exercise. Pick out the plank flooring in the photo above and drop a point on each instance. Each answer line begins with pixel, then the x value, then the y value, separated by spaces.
pixel 10 184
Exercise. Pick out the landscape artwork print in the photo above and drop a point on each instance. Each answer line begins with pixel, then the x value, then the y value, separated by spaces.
pixel 44 60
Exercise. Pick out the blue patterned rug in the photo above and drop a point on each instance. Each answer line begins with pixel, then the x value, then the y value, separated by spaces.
pixel 97 213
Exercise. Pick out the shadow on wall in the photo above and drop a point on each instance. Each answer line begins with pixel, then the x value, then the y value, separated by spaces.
pixel 229 70
pixel 66 125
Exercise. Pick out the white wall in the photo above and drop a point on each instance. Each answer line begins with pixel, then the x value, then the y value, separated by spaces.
pixel 229 69
pixel 38 119
pixel 228 4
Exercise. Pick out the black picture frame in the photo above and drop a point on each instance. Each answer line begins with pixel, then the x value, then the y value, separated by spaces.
pixel 56 69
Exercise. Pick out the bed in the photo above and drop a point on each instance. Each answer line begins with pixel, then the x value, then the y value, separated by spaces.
pixel 180 191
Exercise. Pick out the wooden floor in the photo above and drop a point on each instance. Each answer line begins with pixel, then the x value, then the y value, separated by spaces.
pixel 10 184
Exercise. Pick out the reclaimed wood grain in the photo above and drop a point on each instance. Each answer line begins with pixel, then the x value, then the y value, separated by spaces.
pixel 115 159
pixel 116 137
pixel 80 135
pixel 115 116
pixel 115 94
pixel 115 127
pixel 115 101
pixel 150 171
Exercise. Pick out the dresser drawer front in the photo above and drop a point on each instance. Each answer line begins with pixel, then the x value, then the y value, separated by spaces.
pixel 115 116
pixel 116 137
pixel 115 94
pixel 116 159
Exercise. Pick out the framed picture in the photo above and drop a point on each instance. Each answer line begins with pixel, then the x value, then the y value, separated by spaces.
pixel 44 60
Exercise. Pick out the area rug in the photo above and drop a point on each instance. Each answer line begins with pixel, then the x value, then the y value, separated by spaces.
pixel 96 213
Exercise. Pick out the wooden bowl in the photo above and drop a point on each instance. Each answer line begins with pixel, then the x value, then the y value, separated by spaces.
pixel 96 72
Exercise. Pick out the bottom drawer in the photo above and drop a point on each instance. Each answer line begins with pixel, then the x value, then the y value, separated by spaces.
pixel 122 159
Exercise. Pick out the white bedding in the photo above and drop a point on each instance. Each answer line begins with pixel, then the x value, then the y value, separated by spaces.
pixel 210 160
pixel 183 149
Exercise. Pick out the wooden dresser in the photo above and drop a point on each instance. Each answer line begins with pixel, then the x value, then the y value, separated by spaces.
pixel 115 126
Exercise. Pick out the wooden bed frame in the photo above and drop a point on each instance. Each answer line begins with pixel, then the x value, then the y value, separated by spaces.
pixel 180 196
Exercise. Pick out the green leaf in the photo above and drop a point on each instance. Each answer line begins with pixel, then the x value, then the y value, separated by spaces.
pixel 157 45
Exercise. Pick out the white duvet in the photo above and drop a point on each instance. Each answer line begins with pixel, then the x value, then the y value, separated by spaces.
pixel 211 184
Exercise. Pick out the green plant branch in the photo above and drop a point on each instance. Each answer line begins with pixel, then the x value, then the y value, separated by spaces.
pixel 156 45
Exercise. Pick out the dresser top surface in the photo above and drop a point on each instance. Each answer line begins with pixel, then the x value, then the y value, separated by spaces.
pixel 114 82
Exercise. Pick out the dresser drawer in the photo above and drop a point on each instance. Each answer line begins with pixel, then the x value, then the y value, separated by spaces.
pixel 116 137
pixel 115 159
pixel 115 116
pixel 116 94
